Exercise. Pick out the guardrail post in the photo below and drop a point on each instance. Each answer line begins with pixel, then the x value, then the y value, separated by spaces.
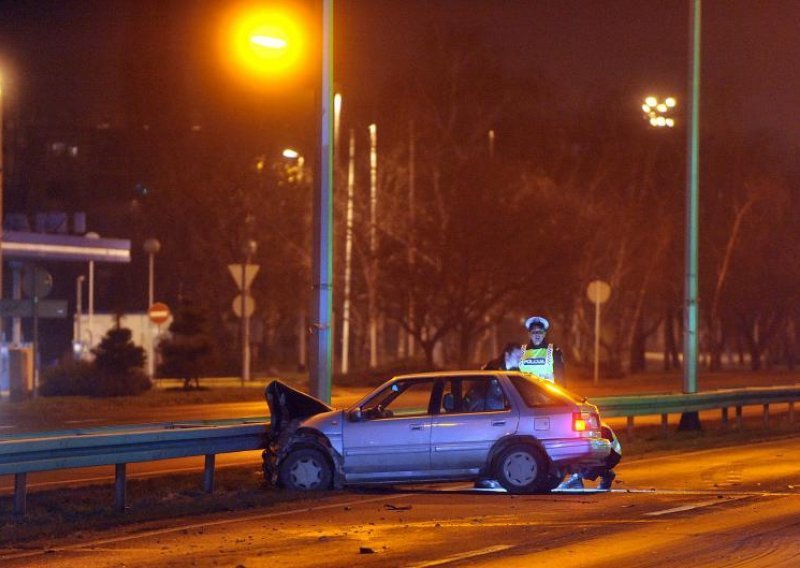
pixel 739 417
pixel 20 494
pixel 629 428
pixel 208 473
pixel 120 487
pixel 724 418
pixel 791 412
pixel 664 425
pixel 766 416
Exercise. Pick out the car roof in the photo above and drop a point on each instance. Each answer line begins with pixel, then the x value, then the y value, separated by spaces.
pixel 443 374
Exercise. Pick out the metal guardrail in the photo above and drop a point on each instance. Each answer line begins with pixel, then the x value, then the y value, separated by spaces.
pixel 630 406
pixel 21 454
pixel 120 445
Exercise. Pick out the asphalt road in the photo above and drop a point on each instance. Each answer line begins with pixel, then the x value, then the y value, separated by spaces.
pixel 726 507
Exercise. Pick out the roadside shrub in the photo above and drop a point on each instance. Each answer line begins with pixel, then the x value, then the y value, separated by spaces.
pixel 69 378
pixel 119 365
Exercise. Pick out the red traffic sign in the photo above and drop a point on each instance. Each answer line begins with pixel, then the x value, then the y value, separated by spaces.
pixel 158 313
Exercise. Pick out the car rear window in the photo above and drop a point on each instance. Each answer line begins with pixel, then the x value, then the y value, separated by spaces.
pixel 536 393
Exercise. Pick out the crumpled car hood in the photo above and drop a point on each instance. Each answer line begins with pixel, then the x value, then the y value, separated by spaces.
pixel 287 404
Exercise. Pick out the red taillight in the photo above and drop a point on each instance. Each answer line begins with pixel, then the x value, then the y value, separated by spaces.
pixel 583 421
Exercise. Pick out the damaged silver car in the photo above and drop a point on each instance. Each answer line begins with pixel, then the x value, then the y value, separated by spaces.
pixel 523 432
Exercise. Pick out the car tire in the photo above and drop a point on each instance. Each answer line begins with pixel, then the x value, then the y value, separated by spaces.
pixel 306 469
pixel 522 468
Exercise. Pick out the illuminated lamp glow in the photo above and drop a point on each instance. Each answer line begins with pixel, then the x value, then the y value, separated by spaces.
pixel 653 121
pixel 661 107
pixel 578 423
pixel 651 101
pixel 670 122
pixel 646 108
pixel 661 121
pixel 290 154
pixel 263 41
pixel 269 42
pixel 670 102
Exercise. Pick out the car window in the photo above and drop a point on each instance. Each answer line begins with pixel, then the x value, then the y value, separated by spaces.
pixel 401 398
pixel 535 394
pixel 480 394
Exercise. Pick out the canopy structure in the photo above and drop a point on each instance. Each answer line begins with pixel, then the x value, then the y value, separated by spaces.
pixel 23 245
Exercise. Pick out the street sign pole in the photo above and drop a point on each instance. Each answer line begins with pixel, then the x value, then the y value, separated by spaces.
pixel 598 292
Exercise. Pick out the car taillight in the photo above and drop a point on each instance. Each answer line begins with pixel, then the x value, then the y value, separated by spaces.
pixel 583 421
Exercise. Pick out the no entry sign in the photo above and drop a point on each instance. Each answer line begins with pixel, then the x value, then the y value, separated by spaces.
pixel 158 313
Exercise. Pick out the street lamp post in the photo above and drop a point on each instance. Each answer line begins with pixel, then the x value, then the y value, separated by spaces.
pixel 321 356
pixel 151 246
pixel 691 420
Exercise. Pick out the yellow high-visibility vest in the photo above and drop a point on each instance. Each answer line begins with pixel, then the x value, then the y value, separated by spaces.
pixel 538 361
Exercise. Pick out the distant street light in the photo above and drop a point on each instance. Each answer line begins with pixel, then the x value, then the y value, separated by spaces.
pixel 657 112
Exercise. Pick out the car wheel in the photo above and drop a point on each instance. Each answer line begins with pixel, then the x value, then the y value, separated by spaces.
pixel 522 468
pixel 306 469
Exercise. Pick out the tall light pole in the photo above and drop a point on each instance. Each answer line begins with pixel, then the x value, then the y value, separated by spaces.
pixel 151 246
pixel 348 253
pixel 321 356
pixel 691 420
pixel 276 49
pixel 91 235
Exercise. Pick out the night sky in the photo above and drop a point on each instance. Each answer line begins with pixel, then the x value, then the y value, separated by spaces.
pixel 77 56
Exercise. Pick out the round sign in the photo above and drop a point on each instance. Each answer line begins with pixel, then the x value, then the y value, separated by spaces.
pixel 598 291
pixel 249 305
pixel 158 313
pixel 36 282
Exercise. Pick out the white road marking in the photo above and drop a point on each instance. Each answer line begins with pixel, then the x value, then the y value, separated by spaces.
pixel 464 555
pixel 84 421
pixel 692 506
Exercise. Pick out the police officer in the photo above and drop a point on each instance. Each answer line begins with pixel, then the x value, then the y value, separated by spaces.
pixel 540 358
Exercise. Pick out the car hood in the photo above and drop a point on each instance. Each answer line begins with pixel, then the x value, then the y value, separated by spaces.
pixel 287 404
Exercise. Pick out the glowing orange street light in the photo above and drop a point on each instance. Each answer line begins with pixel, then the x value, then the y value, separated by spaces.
pixel 265 42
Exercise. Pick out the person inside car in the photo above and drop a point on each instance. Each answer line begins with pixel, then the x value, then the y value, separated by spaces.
pixel 508 360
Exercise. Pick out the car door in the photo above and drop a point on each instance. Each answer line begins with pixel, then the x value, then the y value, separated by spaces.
pixel 392 439
pixel 474 414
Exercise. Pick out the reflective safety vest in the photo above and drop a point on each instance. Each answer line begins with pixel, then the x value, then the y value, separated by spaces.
pixel 538 361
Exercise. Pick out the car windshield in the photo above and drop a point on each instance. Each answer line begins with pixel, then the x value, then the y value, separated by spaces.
pixel 540 393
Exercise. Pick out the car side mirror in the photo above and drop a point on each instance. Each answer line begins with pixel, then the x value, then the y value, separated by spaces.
pixel 355 415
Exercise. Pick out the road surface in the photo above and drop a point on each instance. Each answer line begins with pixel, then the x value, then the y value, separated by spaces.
pixel 724 507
